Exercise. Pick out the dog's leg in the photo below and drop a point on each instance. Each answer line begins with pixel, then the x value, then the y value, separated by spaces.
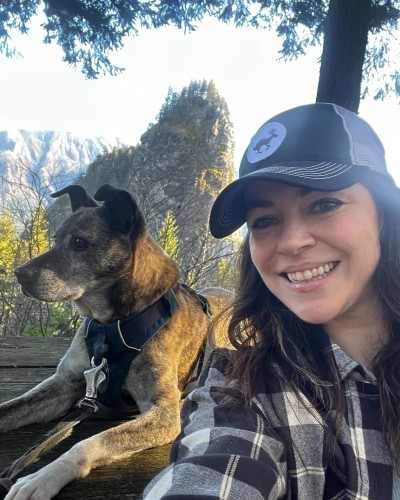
pixel 51 398
pixel 158 426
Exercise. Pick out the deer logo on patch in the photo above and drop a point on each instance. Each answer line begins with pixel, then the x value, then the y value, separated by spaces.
pixel 266 141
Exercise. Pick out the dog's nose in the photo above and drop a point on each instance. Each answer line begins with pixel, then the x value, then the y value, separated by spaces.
pixel 24 272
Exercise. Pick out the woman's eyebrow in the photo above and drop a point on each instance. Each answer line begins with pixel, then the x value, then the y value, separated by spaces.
pixel 258 203
pixel 265 203
pixel 304 191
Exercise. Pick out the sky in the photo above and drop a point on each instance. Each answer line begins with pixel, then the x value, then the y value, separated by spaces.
pixel 40 92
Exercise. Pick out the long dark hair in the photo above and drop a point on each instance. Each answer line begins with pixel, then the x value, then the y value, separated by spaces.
pixel 269 338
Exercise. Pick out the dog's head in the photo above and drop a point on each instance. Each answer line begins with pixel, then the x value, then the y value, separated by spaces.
pixel 92 250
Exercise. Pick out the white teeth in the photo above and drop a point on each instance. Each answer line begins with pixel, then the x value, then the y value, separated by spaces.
pixel 307 274
pixel 311 274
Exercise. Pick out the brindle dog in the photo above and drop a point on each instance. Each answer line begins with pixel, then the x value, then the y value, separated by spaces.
pixel 108 265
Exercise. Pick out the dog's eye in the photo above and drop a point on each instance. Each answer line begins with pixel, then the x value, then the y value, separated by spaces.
pixel 79 243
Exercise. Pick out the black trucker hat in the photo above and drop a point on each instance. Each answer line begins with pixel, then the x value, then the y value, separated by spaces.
pixel 322 146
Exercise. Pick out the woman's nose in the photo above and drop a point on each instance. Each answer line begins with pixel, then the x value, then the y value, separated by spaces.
pixel 294 237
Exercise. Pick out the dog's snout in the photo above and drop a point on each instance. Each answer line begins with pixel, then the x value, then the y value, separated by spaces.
pixel 24 272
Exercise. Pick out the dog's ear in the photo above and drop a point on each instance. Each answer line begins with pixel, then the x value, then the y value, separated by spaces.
pixel 77 195
pixel 121 209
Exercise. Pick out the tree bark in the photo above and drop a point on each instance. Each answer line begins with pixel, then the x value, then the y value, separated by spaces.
pixel 345 42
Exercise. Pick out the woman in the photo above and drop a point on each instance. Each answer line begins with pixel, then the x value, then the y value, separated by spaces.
pixel 307 407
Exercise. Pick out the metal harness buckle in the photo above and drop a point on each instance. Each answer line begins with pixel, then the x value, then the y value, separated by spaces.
pixel 95 376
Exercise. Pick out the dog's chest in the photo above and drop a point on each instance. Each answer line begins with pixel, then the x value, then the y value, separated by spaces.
pixel 121 341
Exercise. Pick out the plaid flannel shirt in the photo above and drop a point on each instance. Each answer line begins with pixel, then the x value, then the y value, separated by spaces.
pixel 277 448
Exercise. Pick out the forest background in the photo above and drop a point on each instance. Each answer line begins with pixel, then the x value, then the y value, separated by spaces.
pixel 193 128
pixel 182 161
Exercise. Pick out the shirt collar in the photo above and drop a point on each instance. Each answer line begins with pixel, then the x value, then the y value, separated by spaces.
pixel 349 367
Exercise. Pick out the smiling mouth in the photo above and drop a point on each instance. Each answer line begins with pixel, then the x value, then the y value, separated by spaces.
pixel 315 273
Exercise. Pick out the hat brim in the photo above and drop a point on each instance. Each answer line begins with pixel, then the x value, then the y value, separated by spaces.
pixel 229 211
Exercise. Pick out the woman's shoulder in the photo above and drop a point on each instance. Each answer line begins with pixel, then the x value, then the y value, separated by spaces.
pixel 221 358
pixel 220 363
pixel 216 367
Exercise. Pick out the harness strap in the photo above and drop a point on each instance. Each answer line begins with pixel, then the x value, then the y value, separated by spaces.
pixel 119 342
pixel 203 300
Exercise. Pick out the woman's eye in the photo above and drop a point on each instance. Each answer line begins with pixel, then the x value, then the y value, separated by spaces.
pixel 322 206
pixel 262 223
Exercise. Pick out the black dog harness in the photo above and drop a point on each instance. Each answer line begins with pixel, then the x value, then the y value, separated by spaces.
pixel 119 342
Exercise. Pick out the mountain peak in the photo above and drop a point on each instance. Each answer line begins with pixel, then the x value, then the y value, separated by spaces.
pixel 56 158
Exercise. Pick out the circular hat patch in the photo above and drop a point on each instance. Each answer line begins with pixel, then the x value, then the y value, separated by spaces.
pixel 266 141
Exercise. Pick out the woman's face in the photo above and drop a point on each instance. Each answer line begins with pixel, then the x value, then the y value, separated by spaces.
pixel 315 251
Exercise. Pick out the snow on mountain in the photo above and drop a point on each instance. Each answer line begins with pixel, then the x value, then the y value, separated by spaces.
pixel 45 160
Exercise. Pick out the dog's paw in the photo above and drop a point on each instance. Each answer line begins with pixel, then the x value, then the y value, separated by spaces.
pixel 43 484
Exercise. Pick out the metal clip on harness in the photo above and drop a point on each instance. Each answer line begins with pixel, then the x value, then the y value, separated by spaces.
pixel 95 377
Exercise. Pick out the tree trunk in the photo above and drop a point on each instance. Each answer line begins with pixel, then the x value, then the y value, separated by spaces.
pixel 345 42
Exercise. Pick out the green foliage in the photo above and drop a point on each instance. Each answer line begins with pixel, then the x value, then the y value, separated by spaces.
pixel 168 237
pixel 187 152
pixel 52 319
pixel 18 314
pixel 225 274
pixel 9 244
pixel 16 248
pixel 109 168
pixel 37 239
